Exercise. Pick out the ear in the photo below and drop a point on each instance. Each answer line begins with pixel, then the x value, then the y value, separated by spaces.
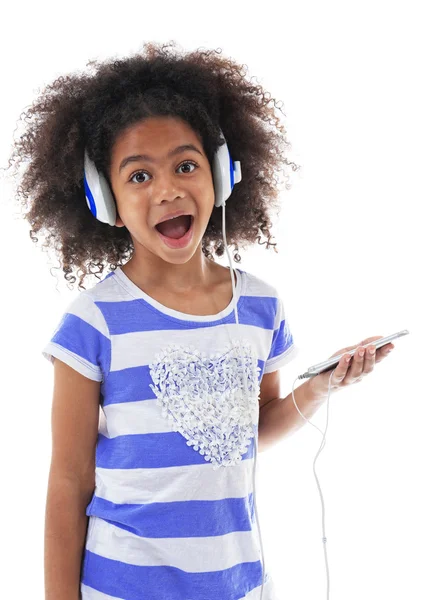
pixel 118 221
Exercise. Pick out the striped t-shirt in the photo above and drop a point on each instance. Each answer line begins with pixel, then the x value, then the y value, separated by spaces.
pixel 172 516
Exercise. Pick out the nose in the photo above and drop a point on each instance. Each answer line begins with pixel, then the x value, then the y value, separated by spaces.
pixel 167 186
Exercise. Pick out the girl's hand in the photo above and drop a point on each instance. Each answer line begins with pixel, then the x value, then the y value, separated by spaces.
pixel 347 373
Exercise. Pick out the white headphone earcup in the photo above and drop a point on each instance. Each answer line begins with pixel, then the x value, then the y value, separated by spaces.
pixel 225 174
pixel 99 196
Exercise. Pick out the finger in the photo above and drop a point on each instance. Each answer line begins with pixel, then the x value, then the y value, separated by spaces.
pixel 362 365
pixel 380 352
pixel 342 368
pixel 369 359
pixel 356 365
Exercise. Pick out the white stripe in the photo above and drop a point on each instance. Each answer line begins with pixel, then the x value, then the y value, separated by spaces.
pixel 136 348
pixel 51 351
pixel 84 307
pixel 174 484
pixel 281 360
pixel 128 418
pixel 89 593
pixel 191 554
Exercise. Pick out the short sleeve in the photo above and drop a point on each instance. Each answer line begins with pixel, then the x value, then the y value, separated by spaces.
pixel 82 339
pixel 283 349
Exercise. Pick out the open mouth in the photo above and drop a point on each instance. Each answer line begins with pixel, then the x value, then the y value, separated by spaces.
pixel 175 228
pixel 176 233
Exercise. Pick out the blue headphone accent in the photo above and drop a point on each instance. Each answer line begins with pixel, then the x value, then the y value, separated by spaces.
pixel 89 198
pixel 100 199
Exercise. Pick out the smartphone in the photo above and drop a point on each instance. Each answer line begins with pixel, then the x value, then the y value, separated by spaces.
pixel 331 363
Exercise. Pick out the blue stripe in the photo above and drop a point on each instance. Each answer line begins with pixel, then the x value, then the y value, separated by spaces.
pixel 281 340
pixel 151 451
pixel 86 341
pixel 133 384
pixel 138 315
pixel 133 582
pixel 189 518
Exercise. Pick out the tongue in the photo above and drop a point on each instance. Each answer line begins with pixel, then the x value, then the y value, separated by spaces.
pixel 175 228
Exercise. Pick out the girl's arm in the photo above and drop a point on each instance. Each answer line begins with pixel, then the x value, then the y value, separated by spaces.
pixel 74 421
pixel 65 533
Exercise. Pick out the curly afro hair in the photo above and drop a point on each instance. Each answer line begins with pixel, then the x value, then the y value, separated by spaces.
pixel 79 111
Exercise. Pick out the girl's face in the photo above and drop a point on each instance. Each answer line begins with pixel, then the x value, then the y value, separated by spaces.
pixel 147 190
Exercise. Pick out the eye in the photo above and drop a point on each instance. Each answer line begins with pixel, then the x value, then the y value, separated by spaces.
pixel 186 162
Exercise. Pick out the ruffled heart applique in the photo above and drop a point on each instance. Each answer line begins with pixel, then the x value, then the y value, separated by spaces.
pixel 203 397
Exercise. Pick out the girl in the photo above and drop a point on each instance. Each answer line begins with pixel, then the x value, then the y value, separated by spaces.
pixel 150 491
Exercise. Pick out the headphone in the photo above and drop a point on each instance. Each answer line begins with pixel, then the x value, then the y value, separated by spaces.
pixel 226 173
pixel 100 198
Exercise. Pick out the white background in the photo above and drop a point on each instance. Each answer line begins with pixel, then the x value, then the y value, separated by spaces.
pixel 347 76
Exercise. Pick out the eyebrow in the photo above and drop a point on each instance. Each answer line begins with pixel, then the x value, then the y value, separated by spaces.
pixel 147 158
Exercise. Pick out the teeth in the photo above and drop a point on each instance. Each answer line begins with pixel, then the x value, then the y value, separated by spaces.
pixel 171 218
